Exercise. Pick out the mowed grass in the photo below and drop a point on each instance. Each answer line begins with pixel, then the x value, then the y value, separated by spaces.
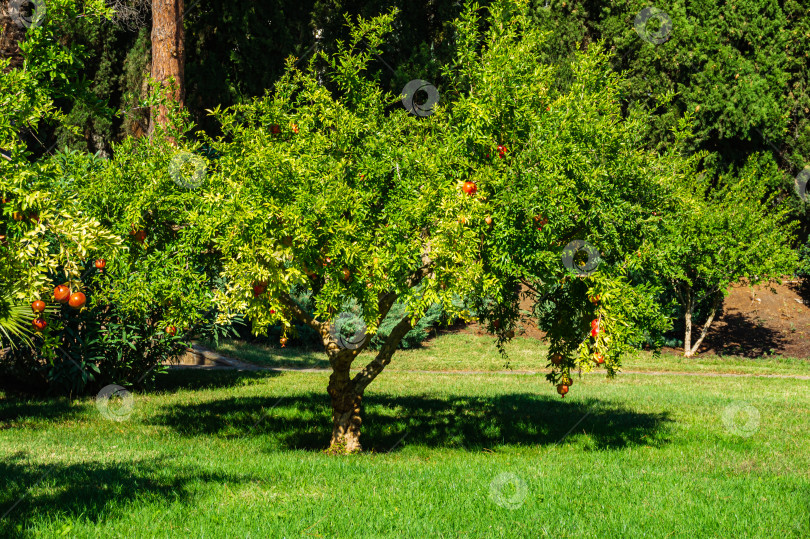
pixel 467 352
pixel 229 454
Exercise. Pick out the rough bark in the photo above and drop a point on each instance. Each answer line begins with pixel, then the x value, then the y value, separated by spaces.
pixel 10 36
pixel 346 401
pixel 168 54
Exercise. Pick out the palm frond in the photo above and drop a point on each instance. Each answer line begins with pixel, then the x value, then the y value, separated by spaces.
pixel 15 323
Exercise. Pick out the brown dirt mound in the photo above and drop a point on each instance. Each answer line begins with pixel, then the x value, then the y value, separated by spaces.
pixel 763 320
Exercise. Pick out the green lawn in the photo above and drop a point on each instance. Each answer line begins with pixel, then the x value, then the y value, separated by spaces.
pixel 460 351
pixel 223 454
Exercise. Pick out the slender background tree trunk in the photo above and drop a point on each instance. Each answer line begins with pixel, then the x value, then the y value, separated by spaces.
pixel 689 308
pixel 717 300
pixel 168 53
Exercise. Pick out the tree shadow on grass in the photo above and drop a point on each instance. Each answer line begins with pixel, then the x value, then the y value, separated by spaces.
pixel 44 409
pixel 47 408
pixel 304 421
pixel 91 490
pixel 180 379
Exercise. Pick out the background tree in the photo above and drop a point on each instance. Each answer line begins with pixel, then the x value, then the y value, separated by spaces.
pixel 738 234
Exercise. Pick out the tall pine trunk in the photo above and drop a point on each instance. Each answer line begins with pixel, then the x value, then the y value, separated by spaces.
pixel 168 54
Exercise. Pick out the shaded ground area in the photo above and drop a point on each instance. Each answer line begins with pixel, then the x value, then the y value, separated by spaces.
pixel 755 321
pixel 760 320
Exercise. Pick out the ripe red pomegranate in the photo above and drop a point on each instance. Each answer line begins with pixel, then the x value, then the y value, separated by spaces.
pixel 562 389
pixel 171 330
pixel 39 323
pixel 259 288
pixel 77 300
pixel 501 151
pixel 283 341
pixel 469 188
pixel 38 306
pixel 61 293
pixel 599 358
pixel 100 264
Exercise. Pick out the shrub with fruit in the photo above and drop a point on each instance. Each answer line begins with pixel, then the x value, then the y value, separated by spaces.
pixel 411 210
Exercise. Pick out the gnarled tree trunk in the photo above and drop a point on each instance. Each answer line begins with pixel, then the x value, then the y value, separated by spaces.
pixel 346 410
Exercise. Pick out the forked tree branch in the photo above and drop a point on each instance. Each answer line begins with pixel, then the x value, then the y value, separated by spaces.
pixel 389 347
pixel 383 358
pixel 716 305
pixel 300 313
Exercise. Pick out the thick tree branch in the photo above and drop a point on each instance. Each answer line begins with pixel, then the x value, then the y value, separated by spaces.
pixel 375 366
pixel 300 313
pixel 383 358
